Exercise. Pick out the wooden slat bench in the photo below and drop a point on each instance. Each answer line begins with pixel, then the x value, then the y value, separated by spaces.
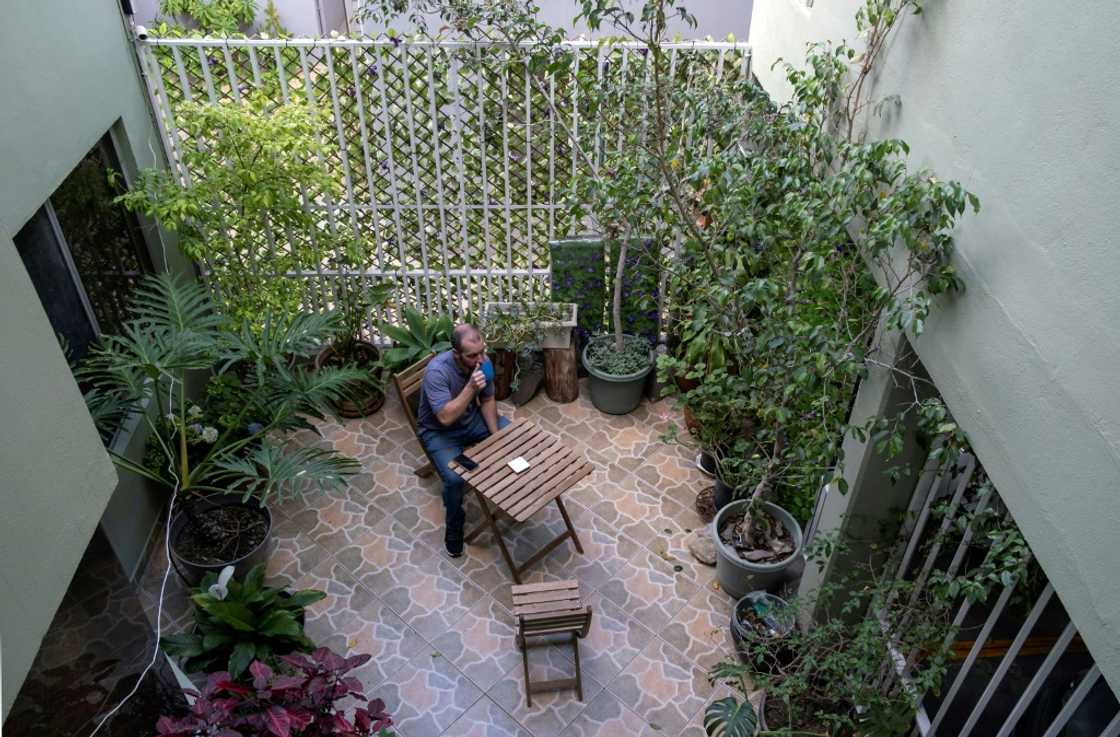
pixel 408 383
pixel 553 469
pixel 547 610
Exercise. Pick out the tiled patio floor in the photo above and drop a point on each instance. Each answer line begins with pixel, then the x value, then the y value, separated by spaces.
pixel 439 630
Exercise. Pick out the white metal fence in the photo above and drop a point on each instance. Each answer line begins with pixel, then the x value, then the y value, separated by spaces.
pixel 1019 666
pixel 453 159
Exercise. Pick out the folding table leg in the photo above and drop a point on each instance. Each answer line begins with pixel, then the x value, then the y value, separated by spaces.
pixel 568 523
pixel 493 522
pixel 579 675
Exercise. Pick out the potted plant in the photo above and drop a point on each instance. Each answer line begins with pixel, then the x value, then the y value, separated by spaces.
pixel 760 622
pixel 223 457
pixel 837 676
pixel 302 700
pixel 347 348
pixel 416 338
pixel 237 622
pixel 516 333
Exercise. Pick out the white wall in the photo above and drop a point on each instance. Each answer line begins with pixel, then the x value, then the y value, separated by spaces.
pixel 1019 101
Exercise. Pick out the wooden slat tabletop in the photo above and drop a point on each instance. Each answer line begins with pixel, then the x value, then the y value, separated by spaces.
pixel 553 469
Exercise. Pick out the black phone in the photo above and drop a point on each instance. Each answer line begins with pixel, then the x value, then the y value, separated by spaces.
pixel 465 462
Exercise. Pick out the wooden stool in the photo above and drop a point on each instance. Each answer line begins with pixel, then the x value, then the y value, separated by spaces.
pixel 544 609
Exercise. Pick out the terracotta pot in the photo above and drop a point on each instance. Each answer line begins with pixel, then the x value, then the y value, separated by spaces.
pixel 366 400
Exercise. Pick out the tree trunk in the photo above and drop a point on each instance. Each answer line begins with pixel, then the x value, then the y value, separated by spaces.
pixel 561 373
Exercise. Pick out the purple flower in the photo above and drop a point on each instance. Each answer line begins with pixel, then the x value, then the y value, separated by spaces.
pixel 254 428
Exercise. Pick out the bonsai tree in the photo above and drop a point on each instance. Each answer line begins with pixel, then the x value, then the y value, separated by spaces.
pixel 276 704
pixel 232 442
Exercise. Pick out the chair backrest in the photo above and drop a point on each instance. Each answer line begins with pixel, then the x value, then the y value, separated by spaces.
pixel 409 383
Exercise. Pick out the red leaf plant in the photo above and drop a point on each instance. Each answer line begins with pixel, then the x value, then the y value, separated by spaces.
pixel 296 704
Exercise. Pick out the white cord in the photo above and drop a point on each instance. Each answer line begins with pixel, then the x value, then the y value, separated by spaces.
pixel 163 584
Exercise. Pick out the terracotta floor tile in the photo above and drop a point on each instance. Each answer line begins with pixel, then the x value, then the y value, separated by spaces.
pixel 431 596
pixel 551 711
pixel 486 719
pixel 650 590
pixel 606 716
pixel 663 687
pixel 481 644
pixel 427 695
pixel 701 630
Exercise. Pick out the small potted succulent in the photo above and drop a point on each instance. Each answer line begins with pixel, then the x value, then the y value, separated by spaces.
pixel 302 700
pixel 348 348
pixel 223 456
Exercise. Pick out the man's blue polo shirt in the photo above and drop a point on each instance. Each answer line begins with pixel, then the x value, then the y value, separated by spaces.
pixel 443 381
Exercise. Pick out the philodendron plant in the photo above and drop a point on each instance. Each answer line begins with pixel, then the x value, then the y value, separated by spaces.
pixel 174 332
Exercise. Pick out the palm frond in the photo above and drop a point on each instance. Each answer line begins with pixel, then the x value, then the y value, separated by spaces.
pixel 730 717
pixel 279 339
pixel 268 471
pixel 176 304
pixel 316 393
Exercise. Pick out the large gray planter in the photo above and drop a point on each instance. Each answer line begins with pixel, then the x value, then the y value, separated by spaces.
pixel 616 395
pixel 192 572
pixel 737 576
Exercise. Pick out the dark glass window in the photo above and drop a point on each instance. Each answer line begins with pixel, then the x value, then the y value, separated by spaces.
pixel 84 253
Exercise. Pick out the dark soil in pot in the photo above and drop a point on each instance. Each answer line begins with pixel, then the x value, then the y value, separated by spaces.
pixel 776 715
pixel 366 399
pixel 217 532
pixel 766 541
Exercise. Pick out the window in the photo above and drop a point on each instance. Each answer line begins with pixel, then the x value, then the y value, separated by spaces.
pixel 84 253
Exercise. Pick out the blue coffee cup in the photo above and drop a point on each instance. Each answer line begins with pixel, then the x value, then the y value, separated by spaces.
pixel 487 370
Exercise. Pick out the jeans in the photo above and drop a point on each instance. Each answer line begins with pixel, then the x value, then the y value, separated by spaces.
pixel 443 446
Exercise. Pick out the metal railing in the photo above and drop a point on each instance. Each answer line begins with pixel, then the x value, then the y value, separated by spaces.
pixel 452 160
pixel 1010 649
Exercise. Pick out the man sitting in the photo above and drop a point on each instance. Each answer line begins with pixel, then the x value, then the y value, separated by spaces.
pixel 457 409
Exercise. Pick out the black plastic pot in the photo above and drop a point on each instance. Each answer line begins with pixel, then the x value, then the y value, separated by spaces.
pixel 781 623
pixel 616 395
pixel 706 462
pixel 192 572
pixel 724 492
pixel 529 380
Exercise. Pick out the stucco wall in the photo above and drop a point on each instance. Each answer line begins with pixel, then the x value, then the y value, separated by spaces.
pixel 68 77
pixel 1018 101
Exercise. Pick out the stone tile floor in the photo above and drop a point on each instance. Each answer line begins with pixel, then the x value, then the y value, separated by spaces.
pixel 440 631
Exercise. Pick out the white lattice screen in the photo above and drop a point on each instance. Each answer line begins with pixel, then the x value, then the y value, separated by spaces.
pixel 452 161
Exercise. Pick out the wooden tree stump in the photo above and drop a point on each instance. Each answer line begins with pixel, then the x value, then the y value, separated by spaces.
pixel 561 373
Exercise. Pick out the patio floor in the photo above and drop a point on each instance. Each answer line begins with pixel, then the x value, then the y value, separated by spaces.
pixel 439 630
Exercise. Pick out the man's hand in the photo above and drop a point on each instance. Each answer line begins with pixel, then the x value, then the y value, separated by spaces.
pixel 478 380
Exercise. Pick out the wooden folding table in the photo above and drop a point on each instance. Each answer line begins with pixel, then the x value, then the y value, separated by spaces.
pixel 553 469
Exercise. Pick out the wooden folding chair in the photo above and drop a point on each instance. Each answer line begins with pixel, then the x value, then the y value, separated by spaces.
pixel 544 610
pixel 408 383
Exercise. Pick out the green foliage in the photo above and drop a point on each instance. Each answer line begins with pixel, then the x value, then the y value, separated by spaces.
pixel 255 397
pixel 353 308
pixel 729 717
pixel 578 275
pixel 252 622
pixel 634 356
pixel 213 17
pixel 418 337
pixel 251 165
